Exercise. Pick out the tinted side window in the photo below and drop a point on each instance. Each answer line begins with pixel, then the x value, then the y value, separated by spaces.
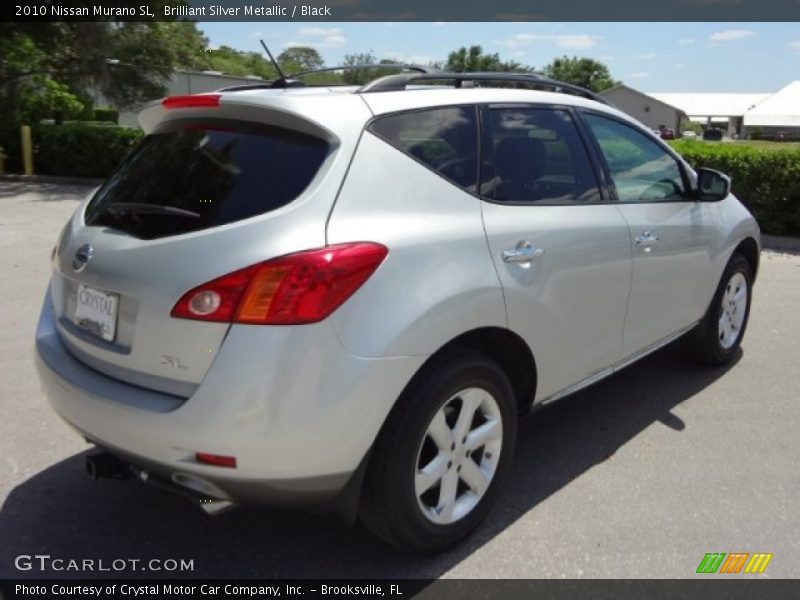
pixel 641 169
pixel 444 139
pixel 193 176
pixel 535 155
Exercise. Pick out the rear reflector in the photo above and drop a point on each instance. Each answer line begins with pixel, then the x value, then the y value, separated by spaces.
pixel 297 288
pixel 194 101
pixel 216 460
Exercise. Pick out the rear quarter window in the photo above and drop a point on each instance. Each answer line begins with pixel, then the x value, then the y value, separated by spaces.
pixel 443 139
pixel 194 176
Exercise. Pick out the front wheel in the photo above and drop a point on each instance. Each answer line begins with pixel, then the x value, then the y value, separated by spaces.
pixel 441 456
pixel 717 337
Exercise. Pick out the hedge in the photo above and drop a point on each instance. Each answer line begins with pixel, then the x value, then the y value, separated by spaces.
pixel 72 149
pixel 766 181
pixel 106 114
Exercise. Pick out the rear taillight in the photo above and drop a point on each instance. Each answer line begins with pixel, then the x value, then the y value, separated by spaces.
pixel 298 288
pixel 194 101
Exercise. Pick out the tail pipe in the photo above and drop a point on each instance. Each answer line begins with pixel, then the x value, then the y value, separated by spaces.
pixel 108 466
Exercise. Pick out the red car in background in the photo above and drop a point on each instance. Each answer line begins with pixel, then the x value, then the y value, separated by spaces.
pixel 666 133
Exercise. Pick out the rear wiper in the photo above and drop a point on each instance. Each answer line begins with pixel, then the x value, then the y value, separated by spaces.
pixel 142 208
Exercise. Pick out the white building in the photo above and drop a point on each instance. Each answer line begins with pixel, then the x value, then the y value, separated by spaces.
pixel 722 110
pixel 645 108
pixel 779 112
pixel 736 114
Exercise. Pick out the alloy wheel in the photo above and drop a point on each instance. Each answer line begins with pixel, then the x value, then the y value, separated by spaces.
pixel 734 308
pixel 458 456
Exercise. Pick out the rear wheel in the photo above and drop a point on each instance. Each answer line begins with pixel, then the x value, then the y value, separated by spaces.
pixel 717 337
pixel 442 454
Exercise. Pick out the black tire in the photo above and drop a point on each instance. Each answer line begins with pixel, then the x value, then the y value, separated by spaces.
pixel 389 506
pixel 703 343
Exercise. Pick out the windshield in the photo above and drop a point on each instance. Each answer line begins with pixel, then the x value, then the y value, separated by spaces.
pixel 196 176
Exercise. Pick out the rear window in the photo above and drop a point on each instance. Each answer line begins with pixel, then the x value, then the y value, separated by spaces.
pixel 191 177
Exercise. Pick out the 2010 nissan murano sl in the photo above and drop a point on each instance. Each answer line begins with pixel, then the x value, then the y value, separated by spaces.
pixel 347 296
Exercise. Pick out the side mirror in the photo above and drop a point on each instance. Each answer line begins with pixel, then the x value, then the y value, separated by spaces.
pixel 712 185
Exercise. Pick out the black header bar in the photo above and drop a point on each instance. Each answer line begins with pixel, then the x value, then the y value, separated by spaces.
pixel 405 10
pixel 710 588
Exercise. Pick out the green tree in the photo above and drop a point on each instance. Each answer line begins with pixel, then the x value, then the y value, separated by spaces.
pixel 229 61
pixel 20 58
pixel 474 59
pixel 128 62
pixel 138 61
pixel 362 76
pixel 585 72
pixel 188 46
pixel 49 99
pixel 300 58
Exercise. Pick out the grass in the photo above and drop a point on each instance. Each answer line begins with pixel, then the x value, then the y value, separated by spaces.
pixel 757 144
pixel 767 145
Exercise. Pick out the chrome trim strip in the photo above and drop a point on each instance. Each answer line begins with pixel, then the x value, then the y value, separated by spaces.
pixel 652 347
pixel 595 377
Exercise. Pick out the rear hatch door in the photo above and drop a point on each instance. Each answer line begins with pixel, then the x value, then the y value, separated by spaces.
pixel 207 192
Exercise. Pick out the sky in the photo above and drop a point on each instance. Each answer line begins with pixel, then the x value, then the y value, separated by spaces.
pixel 651 57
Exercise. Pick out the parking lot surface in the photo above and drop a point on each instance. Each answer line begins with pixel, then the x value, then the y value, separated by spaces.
pixel 637 476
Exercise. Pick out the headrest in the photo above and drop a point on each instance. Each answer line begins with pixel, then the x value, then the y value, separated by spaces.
pixel 520 159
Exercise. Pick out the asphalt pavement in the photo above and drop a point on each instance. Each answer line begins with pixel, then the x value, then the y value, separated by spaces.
pixel 638 476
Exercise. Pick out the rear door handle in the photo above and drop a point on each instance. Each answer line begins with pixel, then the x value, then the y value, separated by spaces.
pixel 646 238
pixel 525 252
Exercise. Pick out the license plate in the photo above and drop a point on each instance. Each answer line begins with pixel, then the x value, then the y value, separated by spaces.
pixel 96 311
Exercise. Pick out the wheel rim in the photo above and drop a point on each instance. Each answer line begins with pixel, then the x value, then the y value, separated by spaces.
pixel 458 456
pixel 734 308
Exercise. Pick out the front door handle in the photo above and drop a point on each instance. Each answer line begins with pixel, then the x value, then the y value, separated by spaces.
pixel 646 238
pixel 525 252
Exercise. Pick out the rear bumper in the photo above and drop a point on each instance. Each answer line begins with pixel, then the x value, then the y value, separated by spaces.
pixel 296 410
pixel 310 492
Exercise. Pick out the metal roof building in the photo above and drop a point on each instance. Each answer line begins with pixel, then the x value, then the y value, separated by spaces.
pixel 646 108
pixel 781 110
pixel 701 106
pixel 738 113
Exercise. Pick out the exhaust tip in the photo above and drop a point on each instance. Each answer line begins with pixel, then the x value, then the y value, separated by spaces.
pixel 213 507
pixel 214 501
pixel 200 485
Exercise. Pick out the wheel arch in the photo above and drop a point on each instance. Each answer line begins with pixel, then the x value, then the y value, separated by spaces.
pixel 749 248
pixel 509 350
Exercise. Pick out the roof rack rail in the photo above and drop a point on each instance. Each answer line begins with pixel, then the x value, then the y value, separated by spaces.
pixel 267 85
pixel 392 83
pixel 290 81
pixel 407 67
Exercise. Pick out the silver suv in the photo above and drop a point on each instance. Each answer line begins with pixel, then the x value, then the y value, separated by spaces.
pixel 346 297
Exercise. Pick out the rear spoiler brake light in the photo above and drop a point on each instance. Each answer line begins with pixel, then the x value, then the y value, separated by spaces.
pixel 193 101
